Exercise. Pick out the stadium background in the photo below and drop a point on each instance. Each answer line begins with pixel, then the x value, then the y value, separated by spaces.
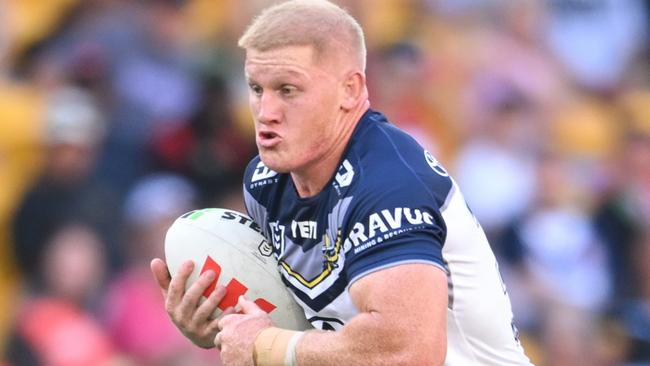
pixel 118 115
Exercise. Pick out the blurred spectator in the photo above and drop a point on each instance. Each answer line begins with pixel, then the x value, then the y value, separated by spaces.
pixel 399 88
pixel 556 269
pixel 134 307
pixel 623 214
pixel 134 57
pixel 511 92
pixel 623 219
pixel 153 82
pixel 153 87
pixel 211 149
pixel 635 313
pixel 56 326
pixel 501 152
pixel 595 40
pixel 65 190
pixel 21 106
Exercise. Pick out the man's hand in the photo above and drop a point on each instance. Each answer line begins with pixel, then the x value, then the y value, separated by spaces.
pixel 188 314
pixel 239 331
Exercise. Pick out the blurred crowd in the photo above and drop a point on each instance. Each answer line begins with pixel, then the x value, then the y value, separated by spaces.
pixel 116 116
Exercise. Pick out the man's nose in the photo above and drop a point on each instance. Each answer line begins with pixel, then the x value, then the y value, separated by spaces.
pixel 269 109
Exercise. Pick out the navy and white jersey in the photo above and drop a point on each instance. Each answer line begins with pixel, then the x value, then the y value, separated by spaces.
pixel 389 203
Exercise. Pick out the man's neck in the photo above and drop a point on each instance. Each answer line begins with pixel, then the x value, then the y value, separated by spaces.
pixel 311 181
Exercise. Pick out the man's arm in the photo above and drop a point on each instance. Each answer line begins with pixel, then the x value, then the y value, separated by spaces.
pixel 402 321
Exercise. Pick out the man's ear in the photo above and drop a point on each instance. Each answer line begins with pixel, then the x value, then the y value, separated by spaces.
pixel 354 89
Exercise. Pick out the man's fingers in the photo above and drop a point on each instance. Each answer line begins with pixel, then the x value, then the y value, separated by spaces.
pixel 177 284
pixel 161 273
pixel 248 307
pixel 207 308
pixel 195 292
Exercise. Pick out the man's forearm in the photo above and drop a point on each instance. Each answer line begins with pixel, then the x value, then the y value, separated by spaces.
pixel 366 341
pixel 397 325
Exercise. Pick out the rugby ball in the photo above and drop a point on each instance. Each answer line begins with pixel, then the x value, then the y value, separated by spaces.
pixel 231 244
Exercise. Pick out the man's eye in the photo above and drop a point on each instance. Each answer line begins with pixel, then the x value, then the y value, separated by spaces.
pixel 256 89
pixel 287 90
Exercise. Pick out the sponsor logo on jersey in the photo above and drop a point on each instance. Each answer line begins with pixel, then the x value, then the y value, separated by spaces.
pixel 345 174
pixel 262 172
pixel 303 229
pixel 384 225
pixel 263 176
pixel 435 164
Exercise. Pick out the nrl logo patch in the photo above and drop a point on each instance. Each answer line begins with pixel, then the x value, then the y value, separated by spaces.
pixel 265 248
pixel 277 236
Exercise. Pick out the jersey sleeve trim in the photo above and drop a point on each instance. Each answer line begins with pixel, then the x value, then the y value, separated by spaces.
pixel 412 250
pixel 450 195
pixel 393 264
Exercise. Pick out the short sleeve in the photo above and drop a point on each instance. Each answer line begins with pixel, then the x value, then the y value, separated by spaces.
pixel 396 225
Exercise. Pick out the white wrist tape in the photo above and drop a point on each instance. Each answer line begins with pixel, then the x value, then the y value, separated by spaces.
pixel 290 356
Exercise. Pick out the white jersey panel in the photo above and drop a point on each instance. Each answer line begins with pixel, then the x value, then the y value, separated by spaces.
pixel 480 328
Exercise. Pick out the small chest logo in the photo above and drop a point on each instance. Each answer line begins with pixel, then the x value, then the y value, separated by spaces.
pixel 262 172
pixel 345 174
pixel 434 164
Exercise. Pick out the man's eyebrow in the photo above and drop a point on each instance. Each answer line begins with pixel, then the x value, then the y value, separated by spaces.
pixel 300 74
pixel 291 74
pixel 280 70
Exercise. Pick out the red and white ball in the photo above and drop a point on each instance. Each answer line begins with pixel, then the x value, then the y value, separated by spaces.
pixel 231 244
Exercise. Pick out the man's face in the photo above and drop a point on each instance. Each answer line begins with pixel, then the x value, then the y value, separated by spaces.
pixel 295 102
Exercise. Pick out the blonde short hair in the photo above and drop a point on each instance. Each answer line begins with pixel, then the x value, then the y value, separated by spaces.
pixel 316 23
